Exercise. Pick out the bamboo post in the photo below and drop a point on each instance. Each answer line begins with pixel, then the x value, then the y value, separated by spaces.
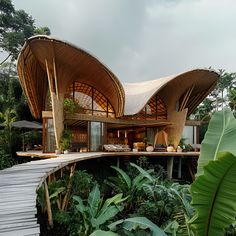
pixel 48 205
pixel 49 179
pixel 118 162
pixel 180 168
pixel 170 163
pixel 66 198
pixel 57 105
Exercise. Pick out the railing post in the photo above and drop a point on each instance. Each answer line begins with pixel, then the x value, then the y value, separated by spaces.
pixel 48 205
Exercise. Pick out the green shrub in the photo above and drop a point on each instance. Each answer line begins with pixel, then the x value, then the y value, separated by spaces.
pixel 5 160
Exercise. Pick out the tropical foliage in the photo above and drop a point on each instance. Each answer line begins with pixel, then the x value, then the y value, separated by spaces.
pixel 137 225
pixel 214 190
pixel 15 27
pixel 214 196
pixel 220 136
pixel 131 188
pixel 222 96
pixel 97 212
pixel 142 205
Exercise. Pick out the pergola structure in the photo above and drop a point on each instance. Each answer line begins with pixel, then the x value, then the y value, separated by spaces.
pixel 51 71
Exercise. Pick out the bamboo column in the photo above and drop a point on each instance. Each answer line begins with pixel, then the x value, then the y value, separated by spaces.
pixel 48 205
pixel 57 99
pixel 58 116
pixel 69 187
pixel 175 131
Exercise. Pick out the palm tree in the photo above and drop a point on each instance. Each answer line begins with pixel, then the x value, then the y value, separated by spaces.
pixel 232 100
pixel 8 116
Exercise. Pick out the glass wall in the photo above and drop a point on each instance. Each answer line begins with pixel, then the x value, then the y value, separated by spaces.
pixel 89 100
pixel 155 109
pixel 96 134
pixel 49 143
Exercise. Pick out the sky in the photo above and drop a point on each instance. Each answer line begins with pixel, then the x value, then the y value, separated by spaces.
pixel 144 39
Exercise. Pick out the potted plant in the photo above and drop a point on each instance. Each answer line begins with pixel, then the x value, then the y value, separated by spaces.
pixel 65 141
pixel 69 106
pixel 72 107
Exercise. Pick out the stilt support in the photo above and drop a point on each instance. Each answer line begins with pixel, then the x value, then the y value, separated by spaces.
pixel 48 206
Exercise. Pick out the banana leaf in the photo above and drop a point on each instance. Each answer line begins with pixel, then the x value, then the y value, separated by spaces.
pixel 213 196
pixel 144 172
pixel 113 200
pixel 103 233
pixel 94 200
pixel 108 214
pixel 57 191
pixel 137 223
pixel 220 137
pixel 124 176
pixel 80 206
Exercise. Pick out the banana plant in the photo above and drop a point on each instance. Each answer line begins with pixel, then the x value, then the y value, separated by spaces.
pixel 96 212
pixel 214 191
pixel 214 195
pixel 220 137
pixel 130 187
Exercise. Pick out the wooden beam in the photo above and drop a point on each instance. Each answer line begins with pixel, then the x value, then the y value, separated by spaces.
pixel 55 77
pixel 195 102
pixel 117 121
pixel 28 93
pixel 49 76
pixel 186 98
pixel 46 114
pixel 190 109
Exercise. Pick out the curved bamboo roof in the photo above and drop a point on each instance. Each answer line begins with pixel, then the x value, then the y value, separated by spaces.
pixel 190 88
pixel 69 64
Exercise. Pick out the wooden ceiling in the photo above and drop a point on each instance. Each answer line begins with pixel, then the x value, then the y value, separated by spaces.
pixel 71 64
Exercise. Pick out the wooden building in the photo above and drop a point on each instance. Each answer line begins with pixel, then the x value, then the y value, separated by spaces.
pixel 101 109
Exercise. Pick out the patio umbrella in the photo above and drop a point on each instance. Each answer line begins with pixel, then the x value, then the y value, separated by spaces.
pixel 24 124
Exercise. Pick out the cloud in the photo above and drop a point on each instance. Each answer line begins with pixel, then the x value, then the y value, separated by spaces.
pixel 141 40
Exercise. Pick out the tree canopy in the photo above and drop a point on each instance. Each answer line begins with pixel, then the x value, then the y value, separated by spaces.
pixel 224 95
pixel 15 27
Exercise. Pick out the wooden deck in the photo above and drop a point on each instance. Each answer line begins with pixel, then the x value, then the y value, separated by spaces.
pixel 19 185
